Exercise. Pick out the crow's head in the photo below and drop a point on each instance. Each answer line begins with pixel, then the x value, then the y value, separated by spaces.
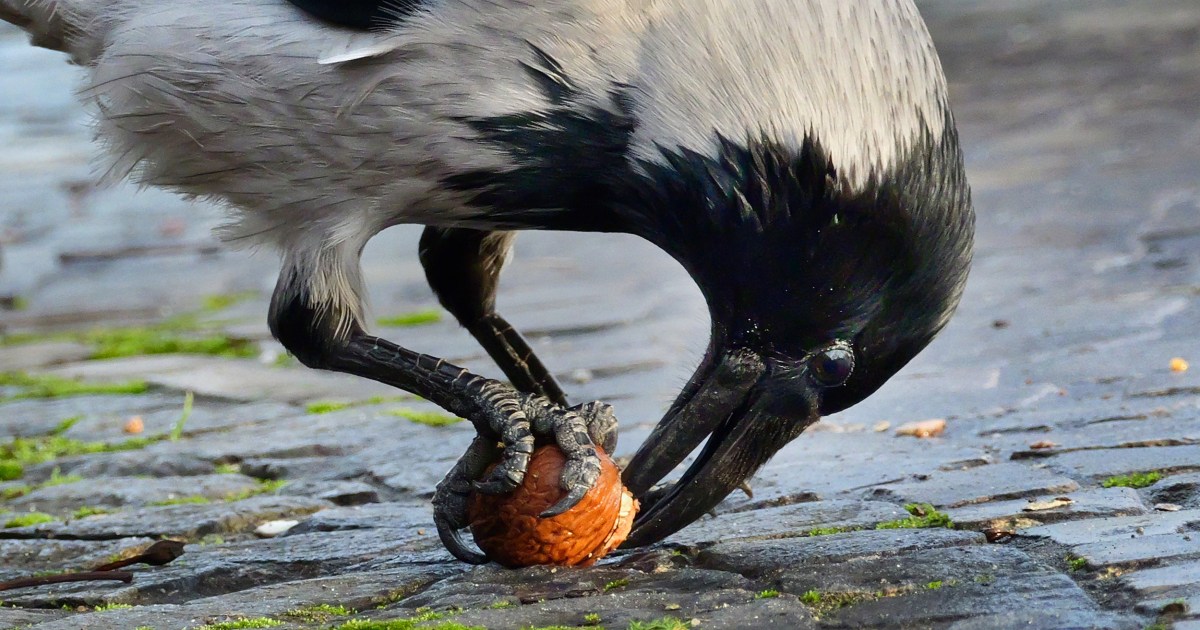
pixel 820 288
pixel 801 162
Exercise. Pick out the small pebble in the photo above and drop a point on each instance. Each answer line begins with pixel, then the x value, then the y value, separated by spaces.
pixel 271 529
pixel 1168 507
pixel 134 425
pixel 882 427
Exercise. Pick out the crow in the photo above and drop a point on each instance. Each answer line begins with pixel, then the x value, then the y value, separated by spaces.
pixel 798 158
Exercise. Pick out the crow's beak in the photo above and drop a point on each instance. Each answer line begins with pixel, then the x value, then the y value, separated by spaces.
pixel 733 404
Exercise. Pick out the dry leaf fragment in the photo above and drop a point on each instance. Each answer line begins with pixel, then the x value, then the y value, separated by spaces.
pixel 923 429
pixel 1053 504
pixel 1043 445
pixel 882 427
pixel 1179 365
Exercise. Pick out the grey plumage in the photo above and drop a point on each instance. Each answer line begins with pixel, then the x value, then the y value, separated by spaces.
pixel 238 102
pixel 798 157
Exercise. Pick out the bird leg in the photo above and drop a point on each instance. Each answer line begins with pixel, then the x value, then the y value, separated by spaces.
pixel 463 269
pixel 322 337
pixel 451 499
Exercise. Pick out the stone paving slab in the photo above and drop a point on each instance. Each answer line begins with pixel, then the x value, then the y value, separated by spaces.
pixel 978 485
pixel 1092 503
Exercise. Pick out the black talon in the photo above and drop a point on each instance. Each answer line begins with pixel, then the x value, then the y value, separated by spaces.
pixel 574 496
pixel 453 541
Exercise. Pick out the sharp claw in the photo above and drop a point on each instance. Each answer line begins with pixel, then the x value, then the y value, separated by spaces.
pixel 454 542
pixel 571 500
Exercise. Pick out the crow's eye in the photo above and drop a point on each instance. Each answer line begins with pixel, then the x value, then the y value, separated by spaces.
pixel 832 366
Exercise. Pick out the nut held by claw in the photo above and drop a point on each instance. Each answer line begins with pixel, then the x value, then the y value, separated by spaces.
pixel 508 529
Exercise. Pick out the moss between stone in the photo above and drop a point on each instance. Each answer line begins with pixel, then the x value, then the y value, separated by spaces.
pixel 46 386
pixel 264 486
pixel 1076 563
pixel 19 453
pixel 829 531
pixel 825 603
pixel 923 516
pixel 194 499
pixel 427 418
pixel 318 613
pixel 666 623
pixel 621 583
pixel 401 624
pixel 415 318
pixel 11 470
pixel 89 510
pixel 318 407
pixel 112 606
pixel 28 519
pixel 241 624
pixel 424 615
pixel 1133 480
pixel 221 301
pixel 184 334
pixel 767 594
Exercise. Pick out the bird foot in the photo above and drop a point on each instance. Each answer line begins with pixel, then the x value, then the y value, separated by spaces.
pixel 518 419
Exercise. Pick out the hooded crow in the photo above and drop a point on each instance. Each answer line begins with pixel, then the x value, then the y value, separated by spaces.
pixel 797 157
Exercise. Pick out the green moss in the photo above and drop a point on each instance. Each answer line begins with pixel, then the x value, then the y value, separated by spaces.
pixel 330 406
pixel 621 583
pixel 211 539
pixel 415 318
pixel 1076 563
pixel 592 618
pixel 47 386
pixel 41 449
pixel 318 613
pixel 825 603
pixel 829 531
pixel 767 594
pixel 935 585
pixel 327 406
pixel 1133 480
pixel 228 469
pixel 222 301
pixel 132 342
pixel 424 615
pixel 89 510
pixel 427 418
pixel 59 479
pixel 14 492
pixel 666 623
pixel 264 486
pixel 502 604
pixel 194 499
pixel 923 516
pixel 241 624
pixel 112 606
pixel 11 470
pixel 401 624
pixel 28 519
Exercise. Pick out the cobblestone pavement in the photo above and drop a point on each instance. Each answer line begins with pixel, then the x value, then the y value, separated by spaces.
pixel 1082 127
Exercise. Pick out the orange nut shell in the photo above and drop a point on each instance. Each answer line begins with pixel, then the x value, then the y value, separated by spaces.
pixel 508 529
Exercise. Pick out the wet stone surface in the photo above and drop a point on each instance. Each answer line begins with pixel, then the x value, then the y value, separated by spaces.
pixel 1082 134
